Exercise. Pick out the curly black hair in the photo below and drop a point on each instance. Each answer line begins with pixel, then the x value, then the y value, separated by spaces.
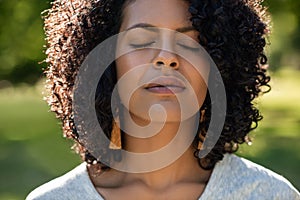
pixel 232 31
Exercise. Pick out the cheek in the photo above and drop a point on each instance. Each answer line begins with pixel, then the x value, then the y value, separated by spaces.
pixel 123 65
pixel 200 87
pixel 130 69
pixel 127 76
pixel 197 76
pixel 130 61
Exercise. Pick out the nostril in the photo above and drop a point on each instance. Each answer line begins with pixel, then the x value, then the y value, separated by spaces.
pixel 159 63
pixel 173 64
pixel 166 62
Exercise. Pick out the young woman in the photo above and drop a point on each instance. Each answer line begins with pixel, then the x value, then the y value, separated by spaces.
pixel 164 81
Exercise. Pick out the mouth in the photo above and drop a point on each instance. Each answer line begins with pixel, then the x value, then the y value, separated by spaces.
pixel 165 85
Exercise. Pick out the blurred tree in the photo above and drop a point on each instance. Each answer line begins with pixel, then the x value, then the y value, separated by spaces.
pixel 22 37
pixel 21 40
pixel 285 37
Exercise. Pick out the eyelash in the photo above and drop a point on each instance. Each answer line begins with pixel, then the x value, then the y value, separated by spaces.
pixel 140 46
pixel 195 49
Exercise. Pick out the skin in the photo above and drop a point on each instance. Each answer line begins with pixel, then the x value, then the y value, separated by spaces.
pixel 182 179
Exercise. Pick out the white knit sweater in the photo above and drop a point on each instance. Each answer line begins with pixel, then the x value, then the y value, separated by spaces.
pixel 232 178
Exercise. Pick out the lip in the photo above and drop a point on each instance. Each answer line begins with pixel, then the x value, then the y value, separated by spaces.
pixel 165 85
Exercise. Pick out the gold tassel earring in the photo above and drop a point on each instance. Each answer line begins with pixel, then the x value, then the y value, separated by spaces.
pixel 115 138
pixel 200 134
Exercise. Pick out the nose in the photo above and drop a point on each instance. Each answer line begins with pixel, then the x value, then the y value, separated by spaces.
pixel 166 59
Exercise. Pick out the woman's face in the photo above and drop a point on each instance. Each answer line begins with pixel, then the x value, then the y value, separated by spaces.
pixel 161 44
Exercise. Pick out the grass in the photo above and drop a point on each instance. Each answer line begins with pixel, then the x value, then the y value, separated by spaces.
pixel 32 150
pixel 276 141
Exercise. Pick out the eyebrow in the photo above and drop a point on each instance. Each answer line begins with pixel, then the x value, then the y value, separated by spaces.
pixel 151 27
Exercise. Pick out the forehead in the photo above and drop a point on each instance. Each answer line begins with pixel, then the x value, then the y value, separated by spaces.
pixel 171 14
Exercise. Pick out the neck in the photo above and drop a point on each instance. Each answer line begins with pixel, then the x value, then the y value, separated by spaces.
pixel 184 170
pixel 142 136
pixel 167 167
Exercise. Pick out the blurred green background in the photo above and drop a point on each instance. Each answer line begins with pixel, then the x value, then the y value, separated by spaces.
pixel 32 149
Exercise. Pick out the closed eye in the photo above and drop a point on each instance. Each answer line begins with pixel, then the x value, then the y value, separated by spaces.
pixel 143 45
pixel 195 49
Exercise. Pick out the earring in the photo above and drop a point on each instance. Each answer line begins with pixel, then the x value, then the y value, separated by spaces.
pixel 202 115
pixel 201 137
pixel 115 138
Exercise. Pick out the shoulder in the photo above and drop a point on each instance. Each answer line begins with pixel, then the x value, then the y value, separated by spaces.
pixel 239 177
pixel 73 185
